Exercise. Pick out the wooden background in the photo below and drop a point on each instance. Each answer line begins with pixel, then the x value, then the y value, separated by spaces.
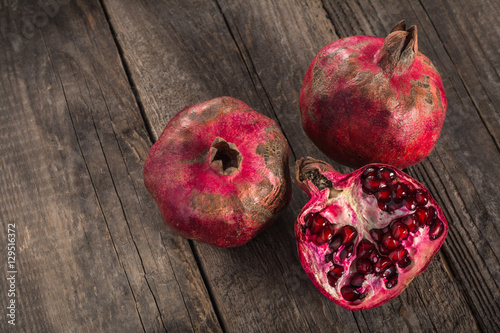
pixel 86 86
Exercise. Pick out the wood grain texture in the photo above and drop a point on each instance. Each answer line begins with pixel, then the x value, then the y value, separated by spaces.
pixel 86 85
pixel 258 51
pixel 93 253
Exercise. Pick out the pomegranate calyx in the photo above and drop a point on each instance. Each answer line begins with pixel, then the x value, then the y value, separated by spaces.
pixel 309 173
pixel 399 50
pixel 224 157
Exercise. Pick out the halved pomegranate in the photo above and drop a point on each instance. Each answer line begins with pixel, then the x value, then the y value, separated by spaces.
pixel 363 236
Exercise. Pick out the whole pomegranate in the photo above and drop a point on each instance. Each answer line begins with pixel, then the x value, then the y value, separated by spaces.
pixel 363 236
pixel 373 100
pixel 219 172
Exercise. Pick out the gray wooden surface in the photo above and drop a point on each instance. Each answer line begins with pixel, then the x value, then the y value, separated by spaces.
pixel 87 86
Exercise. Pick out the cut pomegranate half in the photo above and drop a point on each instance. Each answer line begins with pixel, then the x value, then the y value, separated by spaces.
pixel 363 236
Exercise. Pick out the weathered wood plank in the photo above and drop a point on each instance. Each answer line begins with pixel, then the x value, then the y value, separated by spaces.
pixel 92 250
pixel 258 51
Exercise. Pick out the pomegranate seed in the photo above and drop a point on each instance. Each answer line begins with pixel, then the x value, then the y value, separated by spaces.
pixel 411 222
pixel 317 224
pixel 410 203
pixel 335 274
pixel 383 184
pixel 370 171
pixel 370 184
pixel 405 262
pixel 337 271
pixel 386 174
pixel 390 242
pixel 392 281
pixel 365 248
pixel 332 281
pixel 374 257
pixel 399 230
pixel 398 254
pixel 382 264
pixel 422 214
pixel 384 250
pixel 349 293
pixel 348 234
pixel 308 220
pixel 346 253
pixel 432 215
pixel 383 206
pixel 364 266
pixel 384 195
pixel 324 236
pixel 436 229
pixel 357 280
pixel 336 242
pixel 421 197
pixel 400 192
pixel 390 270
pixel 329 257
pixel 377 235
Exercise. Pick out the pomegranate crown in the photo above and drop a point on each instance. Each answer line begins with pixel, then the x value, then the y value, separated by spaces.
pixel 399 50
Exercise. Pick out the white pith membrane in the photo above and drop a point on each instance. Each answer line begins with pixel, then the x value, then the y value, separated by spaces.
pixel 345 204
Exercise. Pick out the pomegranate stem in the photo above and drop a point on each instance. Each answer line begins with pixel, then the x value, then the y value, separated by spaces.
pixel 309 174
pixel 399 50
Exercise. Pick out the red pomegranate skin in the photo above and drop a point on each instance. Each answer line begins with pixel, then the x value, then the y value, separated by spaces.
pixel 223 201
pixel 362 104
pixel 343 202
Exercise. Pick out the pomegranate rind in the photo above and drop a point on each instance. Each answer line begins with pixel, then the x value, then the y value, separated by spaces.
pixel 344 188
pixel 357 113
pixel 201 201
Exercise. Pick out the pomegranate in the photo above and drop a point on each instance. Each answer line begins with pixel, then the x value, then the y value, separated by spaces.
pixel 373 100
pixel 363 236
pixel 219 172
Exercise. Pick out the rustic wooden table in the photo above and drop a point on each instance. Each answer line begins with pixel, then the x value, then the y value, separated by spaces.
pixel 87 86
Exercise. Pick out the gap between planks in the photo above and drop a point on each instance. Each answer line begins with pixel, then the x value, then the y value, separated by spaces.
pixel 149 130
